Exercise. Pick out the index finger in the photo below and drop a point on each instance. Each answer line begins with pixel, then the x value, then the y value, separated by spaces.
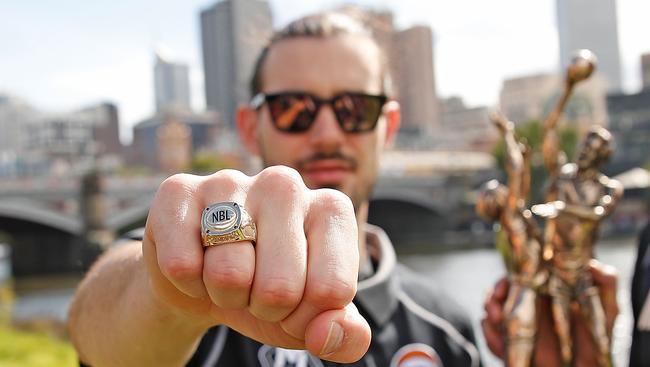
pixel 173 227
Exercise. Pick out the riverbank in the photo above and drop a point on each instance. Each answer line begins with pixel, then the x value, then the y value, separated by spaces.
pixel 19 348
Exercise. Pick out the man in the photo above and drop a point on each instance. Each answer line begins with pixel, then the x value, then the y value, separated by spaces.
pixel 319 108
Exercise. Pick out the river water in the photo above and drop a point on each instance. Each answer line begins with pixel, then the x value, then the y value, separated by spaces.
pixel 465 275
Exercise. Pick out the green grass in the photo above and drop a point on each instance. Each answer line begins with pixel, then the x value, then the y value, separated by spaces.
pixel 26 349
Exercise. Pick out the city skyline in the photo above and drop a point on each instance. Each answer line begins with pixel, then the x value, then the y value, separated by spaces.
pixel 78 54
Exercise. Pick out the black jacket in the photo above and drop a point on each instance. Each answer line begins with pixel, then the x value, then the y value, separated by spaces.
pixel 640 351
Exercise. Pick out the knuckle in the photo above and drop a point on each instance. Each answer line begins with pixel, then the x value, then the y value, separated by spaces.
pixel 229 174
pixel 334 202
pixel 285 172
pixel 281 181
pixel 228 277
pixel 176 184
pixel 171 192
pixel 335 293
pixel 180 268
pixel 226 180
pixel 278 293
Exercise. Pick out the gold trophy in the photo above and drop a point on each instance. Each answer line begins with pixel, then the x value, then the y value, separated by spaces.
pixel 578 198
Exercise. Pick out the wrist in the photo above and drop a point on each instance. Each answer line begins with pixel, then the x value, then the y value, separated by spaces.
pixel 174 307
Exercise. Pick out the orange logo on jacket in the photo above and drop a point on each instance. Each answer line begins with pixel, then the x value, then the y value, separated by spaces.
pixel 416 355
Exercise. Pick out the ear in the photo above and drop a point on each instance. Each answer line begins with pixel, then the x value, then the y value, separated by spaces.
pixel 247 125
pixel 393 118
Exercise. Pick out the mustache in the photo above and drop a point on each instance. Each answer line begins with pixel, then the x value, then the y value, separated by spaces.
pixel 319 156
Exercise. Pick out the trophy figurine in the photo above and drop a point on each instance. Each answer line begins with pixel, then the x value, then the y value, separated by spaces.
pixel 578 198
pixel 520 242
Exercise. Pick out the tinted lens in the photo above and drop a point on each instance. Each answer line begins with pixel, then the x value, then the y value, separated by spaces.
pixel 296 112
pixel 357 112
pixel 292 112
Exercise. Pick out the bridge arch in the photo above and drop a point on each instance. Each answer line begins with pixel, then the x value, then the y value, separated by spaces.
pixel 31 212
pixel 411 221
pixel 131 218
pixel 40 242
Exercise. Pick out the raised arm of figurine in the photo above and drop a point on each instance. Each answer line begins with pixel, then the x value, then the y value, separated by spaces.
pixel 582 65
pixel 550 149
pixel 514 162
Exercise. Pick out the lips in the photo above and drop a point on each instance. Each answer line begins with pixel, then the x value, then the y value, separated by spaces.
pixel 326 172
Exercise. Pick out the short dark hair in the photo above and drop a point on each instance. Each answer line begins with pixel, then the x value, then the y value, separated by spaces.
pixel 320 25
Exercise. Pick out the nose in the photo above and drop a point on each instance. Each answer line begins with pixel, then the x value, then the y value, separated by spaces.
pixel 326 135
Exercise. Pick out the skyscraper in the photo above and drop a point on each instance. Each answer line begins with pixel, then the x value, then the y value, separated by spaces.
pixel 416 90
pixel 591 24
pixel 233 33
pixel 410 63
pixel 171 84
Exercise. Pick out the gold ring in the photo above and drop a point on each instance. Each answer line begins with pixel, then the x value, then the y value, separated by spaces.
pixel 226 222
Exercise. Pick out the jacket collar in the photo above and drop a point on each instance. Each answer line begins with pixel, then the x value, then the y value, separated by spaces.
pixel 377 295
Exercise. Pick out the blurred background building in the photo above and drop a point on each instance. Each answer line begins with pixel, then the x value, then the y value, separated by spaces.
pixel 171 83
pixel 592 25
pixel 465 128
pixel 38 143
pixel 630 124
pixel 146 150
pixel 415 79
pixel 410 54
pixel 14 115
pixel 533 97
pixel 233 33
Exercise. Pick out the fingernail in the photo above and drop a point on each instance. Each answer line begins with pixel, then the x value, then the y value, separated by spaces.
pixel 334 339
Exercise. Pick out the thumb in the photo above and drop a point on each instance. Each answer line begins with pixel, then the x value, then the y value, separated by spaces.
pixel 341 335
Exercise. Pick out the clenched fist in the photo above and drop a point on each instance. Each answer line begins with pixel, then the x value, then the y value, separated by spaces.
pixel 293 288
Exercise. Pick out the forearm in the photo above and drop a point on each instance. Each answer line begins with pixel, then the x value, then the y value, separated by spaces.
pixel 116 320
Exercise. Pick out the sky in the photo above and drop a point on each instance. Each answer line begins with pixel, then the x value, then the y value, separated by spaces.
pixel 61 55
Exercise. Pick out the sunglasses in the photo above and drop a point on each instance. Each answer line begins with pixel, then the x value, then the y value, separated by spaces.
pixel 295 112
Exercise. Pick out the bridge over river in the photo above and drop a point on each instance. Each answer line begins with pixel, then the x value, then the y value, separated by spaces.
pixel 60 225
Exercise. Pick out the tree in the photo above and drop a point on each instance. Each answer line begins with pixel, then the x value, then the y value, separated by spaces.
pixel 531 133
pixel 206 162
